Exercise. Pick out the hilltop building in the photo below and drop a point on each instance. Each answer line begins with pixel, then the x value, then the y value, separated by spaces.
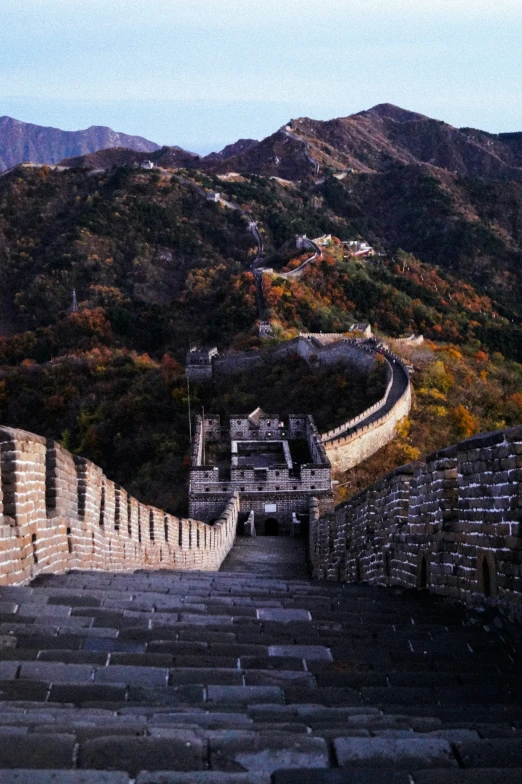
pixel 275 466
pixel 358 248
pixel 199 363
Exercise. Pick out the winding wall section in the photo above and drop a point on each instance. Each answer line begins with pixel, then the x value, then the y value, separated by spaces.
pixel 360 437
pixel 298 271
pixel 357 439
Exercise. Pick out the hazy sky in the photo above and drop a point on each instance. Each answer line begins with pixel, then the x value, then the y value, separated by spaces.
pixel 202 73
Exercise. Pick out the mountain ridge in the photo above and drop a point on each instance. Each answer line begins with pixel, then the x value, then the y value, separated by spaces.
pixel 27 142
pixel 369 141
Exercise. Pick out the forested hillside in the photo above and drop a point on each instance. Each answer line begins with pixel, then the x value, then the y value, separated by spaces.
pixel 157 267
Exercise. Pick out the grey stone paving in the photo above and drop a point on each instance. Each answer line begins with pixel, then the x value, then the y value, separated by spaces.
pixel 252 675
pixel 271 556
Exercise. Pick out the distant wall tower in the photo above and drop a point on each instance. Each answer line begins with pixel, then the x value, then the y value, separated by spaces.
pixel 199 363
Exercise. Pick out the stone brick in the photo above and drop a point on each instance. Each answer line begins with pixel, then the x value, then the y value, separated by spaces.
pixel 136 676
pixel 301 651
pixel 283 616
pixel 407 754
pixel 37 751
pixel 246 695
pixel 183 750
pixel 63 777
pixel 203 777
pixel 335 776
pixel 491 753
pixel 484 776
pixel 238 751
pixel 80 694
pixel 56 672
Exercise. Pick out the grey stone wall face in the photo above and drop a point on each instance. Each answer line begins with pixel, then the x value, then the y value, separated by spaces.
pixel 452 524
pixel 59 513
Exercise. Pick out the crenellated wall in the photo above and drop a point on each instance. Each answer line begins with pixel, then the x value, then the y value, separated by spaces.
pixel 452 524
pixel 59 512
pixel 355 440
pixel 360 437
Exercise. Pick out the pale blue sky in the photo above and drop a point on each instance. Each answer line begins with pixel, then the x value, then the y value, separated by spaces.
pixel 202 73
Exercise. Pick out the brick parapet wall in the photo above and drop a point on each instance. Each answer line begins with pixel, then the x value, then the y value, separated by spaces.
pixel 452 524
pixel 59 512
pixel 350 423
pixel 345 452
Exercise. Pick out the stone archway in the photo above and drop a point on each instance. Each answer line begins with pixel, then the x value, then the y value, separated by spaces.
pixel 271 527
pixel 423 572
pixel 486 574
pixel 387 564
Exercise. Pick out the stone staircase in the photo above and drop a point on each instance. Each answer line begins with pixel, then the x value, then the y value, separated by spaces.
pixel 253 674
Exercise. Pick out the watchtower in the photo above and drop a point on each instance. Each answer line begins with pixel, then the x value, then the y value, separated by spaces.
pixel 199 363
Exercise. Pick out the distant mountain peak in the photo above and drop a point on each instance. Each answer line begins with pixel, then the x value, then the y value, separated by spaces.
pixel 392 112
pixel 22 142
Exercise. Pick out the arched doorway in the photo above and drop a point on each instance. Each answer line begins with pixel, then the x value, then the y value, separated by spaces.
pixel 486 578
pixel 271 527
pixel 486 574
pixel 423 573
pixel 387 563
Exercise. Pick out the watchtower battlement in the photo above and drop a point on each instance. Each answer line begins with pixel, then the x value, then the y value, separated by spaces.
pixel 199 363
pixel 274 465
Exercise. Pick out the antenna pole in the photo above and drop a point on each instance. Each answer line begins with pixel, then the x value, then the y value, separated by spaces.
pixel 203 433
pixel 189 414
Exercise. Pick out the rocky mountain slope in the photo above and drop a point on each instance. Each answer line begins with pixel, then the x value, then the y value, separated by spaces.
pixel 20 141
pixel 165 157
pixel 157 267
pixel 242 145
pixel 368 142
pixel 372 140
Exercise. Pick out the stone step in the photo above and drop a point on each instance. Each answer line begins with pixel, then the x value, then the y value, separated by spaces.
pixel 232 677
pixel 233 750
